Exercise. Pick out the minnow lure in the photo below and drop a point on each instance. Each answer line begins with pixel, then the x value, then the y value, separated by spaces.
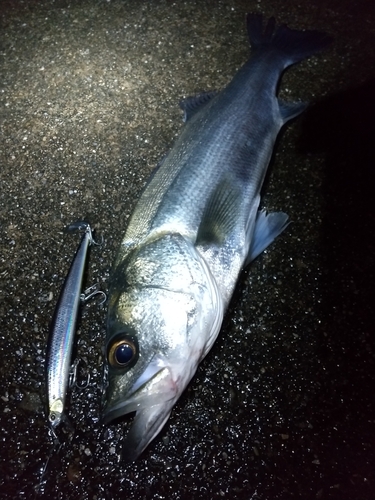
pixel 62 330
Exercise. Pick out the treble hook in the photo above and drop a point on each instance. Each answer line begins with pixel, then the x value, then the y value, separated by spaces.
pixel 90 292
pixel 73 376
pixel 82 225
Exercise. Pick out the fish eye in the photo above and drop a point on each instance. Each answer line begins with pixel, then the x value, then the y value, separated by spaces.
pixel 122 353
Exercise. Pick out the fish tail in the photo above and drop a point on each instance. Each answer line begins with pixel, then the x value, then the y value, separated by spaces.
pixel 294 45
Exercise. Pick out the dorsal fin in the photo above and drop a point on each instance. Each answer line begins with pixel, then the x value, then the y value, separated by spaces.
pixel 195 103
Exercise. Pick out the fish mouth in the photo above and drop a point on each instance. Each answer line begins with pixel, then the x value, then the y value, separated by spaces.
pixel 152 397
pixel 146 425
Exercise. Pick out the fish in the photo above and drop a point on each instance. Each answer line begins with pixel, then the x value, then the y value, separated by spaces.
pixel 195 227
pixel 62 329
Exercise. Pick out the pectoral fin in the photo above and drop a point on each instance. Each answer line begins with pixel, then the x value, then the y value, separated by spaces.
pixel 220 215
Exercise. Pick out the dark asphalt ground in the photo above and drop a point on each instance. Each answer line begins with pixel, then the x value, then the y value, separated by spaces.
pixel 283 406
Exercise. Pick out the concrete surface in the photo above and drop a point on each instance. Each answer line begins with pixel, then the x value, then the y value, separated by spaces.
pixel 283 406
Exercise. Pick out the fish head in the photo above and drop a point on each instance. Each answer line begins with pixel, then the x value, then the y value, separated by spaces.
pixel 156 337
pixel 150 365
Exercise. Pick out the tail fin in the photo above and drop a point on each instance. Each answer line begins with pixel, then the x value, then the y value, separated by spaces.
pixel 295 45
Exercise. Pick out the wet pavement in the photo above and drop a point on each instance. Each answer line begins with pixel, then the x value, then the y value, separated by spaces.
pixel 283 406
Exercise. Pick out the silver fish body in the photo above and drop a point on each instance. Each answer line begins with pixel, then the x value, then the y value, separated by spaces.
pixel 62 331
pixel 196 225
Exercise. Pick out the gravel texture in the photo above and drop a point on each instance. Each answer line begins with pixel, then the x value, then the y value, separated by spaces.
pixel 283 406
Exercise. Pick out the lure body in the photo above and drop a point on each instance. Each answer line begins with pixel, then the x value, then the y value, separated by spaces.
pixel 61 337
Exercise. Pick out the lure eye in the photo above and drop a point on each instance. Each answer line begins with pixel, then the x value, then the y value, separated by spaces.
pixel 122 353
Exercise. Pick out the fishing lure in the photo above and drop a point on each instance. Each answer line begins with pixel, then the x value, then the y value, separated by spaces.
pixel 61 337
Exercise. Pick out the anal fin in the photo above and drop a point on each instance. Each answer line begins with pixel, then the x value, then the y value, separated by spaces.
pixel 289 110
